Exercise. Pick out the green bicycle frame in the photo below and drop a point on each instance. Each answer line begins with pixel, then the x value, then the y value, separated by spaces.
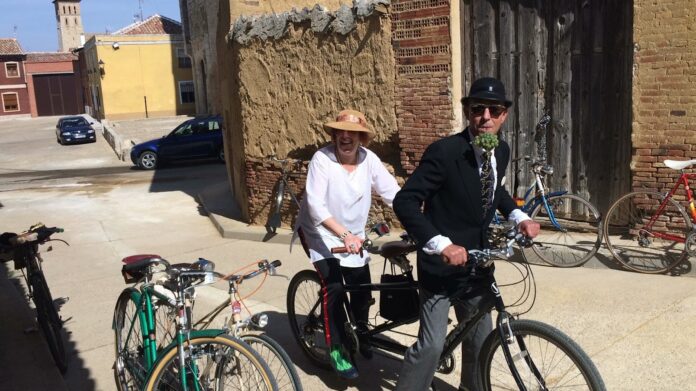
pixel 146 316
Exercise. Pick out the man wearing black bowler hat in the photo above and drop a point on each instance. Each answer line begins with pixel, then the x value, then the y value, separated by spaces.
pixel 447 205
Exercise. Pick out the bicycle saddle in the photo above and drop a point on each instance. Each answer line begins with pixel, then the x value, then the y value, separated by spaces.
pixel 398 247
pixel 679 164
pixel 135 266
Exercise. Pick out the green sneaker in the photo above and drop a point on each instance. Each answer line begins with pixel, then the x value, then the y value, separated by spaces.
pixel 341 364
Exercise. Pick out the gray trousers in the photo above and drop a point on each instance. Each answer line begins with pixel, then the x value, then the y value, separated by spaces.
pixel 422 357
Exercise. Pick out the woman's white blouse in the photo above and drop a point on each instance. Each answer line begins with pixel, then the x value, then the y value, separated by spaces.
pixel 332 191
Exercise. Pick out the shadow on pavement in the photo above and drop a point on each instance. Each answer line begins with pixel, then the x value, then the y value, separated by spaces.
pixel 378 373
pixel 25 359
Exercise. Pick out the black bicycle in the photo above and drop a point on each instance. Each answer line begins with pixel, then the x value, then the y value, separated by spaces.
pixel 281 188
pixel 518 354
pixel 25 253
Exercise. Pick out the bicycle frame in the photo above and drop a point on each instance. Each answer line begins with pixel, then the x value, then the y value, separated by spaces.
pixel 146 316
pixel 683 180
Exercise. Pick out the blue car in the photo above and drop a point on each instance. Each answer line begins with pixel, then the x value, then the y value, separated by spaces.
pixel 197 138
pixel 74 129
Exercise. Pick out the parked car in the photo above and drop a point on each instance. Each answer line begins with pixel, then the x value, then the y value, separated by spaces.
pixel 196 138
pixel 75 129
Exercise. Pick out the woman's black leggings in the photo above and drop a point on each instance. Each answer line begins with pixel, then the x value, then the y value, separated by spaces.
pixel 332 275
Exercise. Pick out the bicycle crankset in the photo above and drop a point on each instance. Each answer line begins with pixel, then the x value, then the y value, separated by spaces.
pixel 446 365
pixel 690 244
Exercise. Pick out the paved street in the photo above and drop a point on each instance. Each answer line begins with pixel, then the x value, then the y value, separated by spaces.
pixel 638 329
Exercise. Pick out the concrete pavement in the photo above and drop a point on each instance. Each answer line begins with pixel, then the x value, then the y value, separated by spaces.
pixel 637 328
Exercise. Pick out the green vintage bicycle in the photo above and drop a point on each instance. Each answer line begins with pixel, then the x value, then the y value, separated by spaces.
pixel 148 357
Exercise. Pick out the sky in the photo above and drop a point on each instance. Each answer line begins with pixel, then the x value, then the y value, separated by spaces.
pixel 33 22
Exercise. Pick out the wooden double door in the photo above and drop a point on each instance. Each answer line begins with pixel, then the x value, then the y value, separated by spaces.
pixel 572 58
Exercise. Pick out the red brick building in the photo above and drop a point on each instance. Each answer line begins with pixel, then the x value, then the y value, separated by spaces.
pixel 53 81
pixel 14 94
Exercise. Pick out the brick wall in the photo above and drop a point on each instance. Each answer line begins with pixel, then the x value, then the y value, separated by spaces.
pixel 664 89
pixel 422 46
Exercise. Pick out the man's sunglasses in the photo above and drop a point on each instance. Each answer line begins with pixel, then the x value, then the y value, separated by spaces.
pixel 495 110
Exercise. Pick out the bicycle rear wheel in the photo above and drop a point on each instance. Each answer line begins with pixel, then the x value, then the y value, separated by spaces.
pixel 304 313
pixel 641 248
pixel 212 363
pixel 277 359
pixel 571 231
pixel 542 355
pixel 49 320
pixel 129 368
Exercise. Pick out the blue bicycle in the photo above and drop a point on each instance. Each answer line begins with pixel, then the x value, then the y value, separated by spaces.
pixel 571 226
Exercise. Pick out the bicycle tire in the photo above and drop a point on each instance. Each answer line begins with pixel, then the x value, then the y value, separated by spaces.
pixel 129 368
pixel 305 317
pixel 278 361
pixel 560 361
pixel 580 238
pixel 637 249
pixel 49 320
pixel 219 354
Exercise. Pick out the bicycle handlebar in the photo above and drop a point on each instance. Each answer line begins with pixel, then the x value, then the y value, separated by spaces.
pixel 263 267
pixel 37 233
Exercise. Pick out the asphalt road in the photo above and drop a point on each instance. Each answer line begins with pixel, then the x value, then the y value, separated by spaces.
pixel 638 329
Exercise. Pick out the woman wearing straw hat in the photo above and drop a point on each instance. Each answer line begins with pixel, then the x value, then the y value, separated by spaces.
pixel 333 213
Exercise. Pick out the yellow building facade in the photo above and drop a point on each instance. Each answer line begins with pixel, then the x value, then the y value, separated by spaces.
pixel 138 75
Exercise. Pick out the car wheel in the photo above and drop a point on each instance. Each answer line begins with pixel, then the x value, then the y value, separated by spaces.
pixel 221 155
pixel 59 141
pixel 147 160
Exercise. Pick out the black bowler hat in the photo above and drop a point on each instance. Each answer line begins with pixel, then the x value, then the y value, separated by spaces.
pixel 487 88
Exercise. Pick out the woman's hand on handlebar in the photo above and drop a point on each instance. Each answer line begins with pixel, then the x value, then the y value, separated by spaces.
pixel 353 243
pixel 455 255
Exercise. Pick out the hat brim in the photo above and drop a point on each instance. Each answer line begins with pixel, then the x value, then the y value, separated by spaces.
pixel 486 96
pixel 344 125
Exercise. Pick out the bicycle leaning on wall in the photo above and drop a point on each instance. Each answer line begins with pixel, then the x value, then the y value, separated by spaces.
pixel 289 169
pixel 25 252
pixel 571 227
pixel 650 232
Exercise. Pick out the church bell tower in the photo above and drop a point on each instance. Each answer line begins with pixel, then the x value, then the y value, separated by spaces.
pixel 69 24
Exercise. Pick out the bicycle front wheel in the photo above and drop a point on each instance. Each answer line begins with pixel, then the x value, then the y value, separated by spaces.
pixel 641 244
pixel 212 363
pixel 544 358
pixel 304 313
pixel 277 359
pixel 129 368
pixel 49 320
pixel 570 231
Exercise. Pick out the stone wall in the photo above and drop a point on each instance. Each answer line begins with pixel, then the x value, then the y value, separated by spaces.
pixel 294 72
pixel 664 89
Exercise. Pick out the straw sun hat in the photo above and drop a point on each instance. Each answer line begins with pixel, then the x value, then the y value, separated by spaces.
pixel 351 120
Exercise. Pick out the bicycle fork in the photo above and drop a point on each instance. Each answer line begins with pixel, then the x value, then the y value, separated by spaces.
pixel 509 342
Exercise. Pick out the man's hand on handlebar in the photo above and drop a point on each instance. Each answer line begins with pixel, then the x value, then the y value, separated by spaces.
pixel 455 255
pixel 529 228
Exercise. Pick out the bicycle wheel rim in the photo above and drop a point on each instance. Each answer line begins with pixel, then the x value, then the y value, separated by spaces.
pixel 129 368
pixel 217 363
pixel 277 360
pixel 560 361
pixel 637 248
pixel 571 231
pixel 305 317
pixel 46 315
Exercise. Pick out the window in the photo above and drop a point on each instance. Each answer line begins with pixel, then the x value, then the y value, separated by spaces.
pixel 184 60
pixel 186 94
pixel 10 101
pixel 12 69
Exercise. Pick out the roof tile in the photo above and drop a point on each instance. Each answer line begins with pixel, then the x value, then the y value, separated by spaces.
pixel 155 24
pixel 10 46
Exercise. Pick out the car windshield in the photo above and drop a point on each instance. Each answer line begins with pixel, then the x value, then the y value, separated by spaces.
pixel 71 122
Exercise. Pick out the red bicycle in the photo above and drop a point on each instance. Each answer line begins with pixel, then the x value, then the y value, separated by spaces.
pixel 651 232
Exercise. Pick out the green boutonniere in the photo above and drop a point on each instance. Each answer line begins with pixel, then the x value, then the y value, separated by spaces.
pixel 487 141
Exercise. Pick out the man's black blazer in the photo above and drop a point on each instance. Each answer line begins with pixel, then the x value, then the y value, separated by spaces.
pixel 447 186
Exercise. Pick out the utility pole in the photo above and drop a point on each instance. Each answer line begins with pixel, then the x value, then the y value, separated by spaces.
pixel 140 6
